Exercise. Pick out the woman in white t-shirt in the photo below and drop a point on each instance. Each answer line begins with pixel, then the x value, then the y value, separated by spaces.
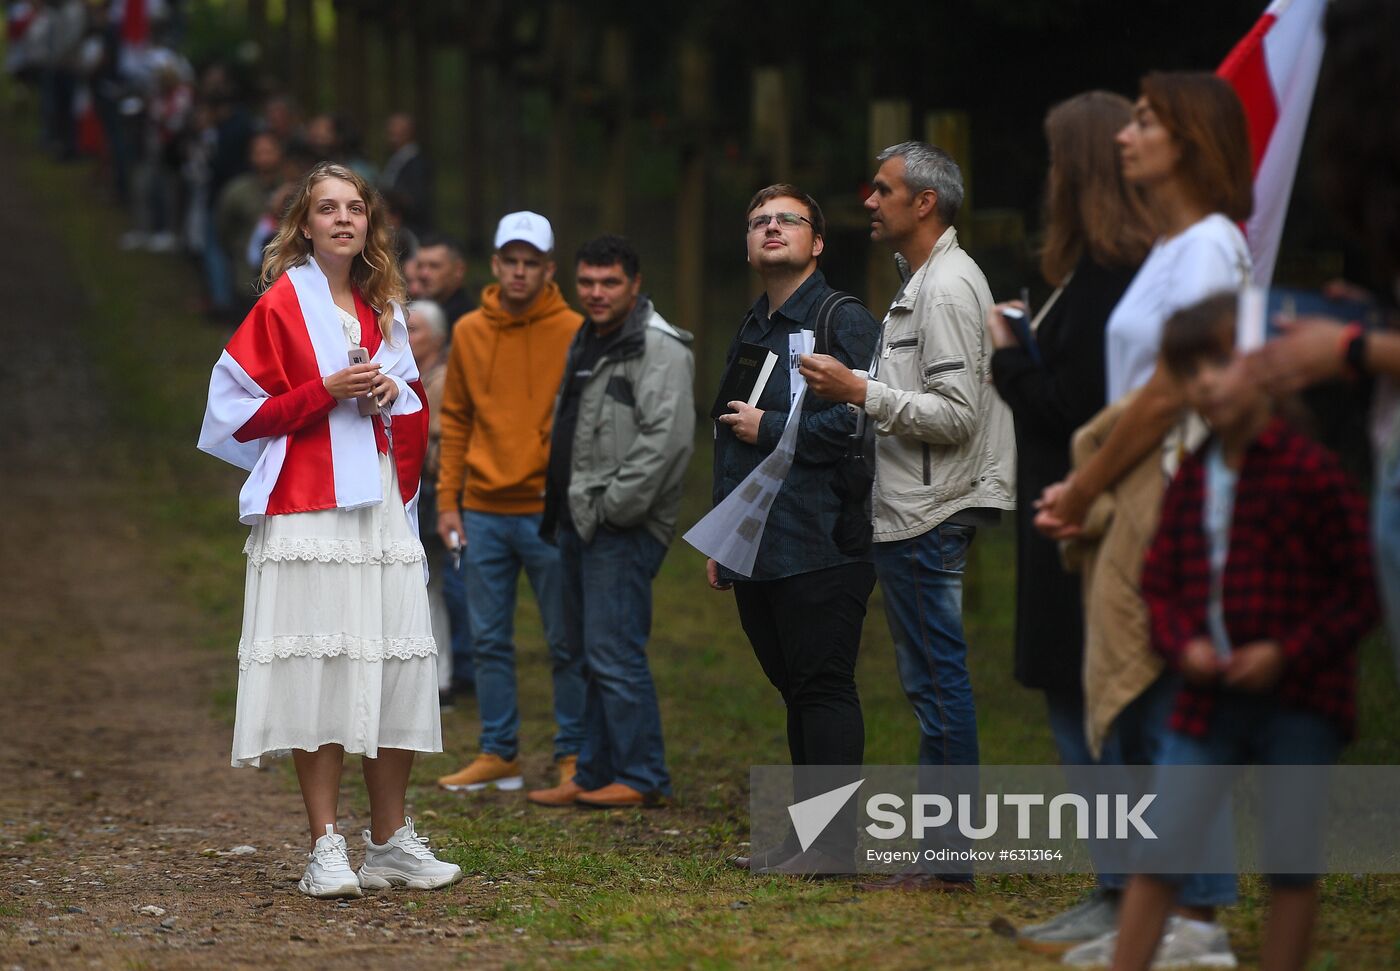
pixel 1187 148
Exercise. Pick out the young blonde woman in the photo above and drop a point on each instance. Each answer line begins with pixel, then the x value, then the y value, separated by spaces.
pixel 337 653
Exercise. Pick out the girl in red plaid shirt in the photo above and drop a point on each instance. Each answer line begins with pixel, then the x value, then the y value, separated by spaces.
pixel 1259 587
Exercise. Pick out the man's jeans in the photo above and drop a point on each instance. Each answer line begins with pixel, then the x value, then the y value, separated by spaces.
pixel 922 582
pixel 607 618
pixel 497 547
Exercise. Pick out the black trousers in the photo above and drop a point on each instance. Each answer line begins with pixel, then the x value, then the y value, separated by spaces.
pixel 805 631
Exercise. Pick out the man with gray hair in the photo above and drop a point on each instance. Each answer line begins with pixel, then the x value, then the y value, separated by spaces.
pixel 945 455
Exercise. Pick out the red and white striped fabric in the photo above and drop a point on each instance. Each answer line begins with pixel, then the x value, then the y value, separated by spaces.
pixel 269 413
pixel 1274 72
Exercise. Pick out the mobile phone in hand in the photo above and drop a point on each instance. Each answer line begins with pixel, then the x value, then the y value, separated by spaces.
pixel 368 404
pixel 1021 326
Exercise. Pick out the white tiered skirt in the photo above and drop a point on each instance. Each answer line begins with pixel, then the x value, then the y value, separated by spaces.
pixel 337 643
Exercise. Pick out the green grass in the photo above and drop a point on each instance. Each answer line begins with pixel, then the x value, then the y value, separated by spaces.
pixel 625 889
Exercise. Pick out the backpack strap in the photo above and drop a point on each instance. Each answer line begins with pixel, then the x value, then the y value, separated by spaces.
pixel 834 300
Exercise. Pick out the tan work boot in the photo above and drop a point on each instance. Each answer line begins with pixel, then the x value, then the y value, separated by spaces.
pixel 487 771
pixel 562 795
pixel 568 766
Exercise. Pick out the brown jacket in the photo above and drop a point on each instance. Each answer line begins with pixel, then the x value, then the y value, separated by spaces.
pixel 498 403
pixel 1119 663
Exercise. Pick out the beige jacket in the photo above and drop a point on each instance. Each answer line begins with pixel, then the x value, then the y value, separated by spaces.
pixel 945 440
pixel 1119 663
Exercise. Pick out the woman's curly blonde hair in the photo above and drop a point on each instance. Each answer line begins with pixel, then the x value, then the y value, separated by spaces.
pixel 375 271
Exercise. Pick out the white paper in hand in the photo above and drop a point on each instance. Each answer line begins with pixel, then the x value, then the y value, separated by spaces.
pixel 730 532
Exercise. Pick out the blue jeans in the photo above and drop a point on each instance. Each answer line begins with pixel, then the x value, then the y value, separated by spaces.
pixel 1139 736
pixel 607 618
pixel 459 620
pixel 922 581
pixel 497 547
pixel 1256 729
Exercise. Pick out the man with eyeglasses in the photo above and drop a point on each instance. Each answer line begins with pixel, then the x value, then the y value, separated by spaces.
pixel 945 454
pixel 804 604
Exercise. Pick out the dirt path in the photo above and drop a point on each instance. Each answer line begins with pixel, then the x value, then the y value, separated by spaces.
pixel 118 811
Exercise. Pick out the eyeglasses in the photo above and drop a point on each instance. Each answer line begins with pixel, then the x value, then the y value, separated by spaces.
pixel 788 219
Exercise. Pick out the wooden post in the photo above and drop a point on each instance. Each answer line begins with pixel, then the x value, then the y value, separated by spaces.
pixel 952 132
pixel 392 35
pixel 474 141
pixel 257 27
pixel 617 67
pixel 890 120
pixel 301 42
pixel 771 130
pixel 423 103
pixel 690 200
pixel 562 43
pixel 347 26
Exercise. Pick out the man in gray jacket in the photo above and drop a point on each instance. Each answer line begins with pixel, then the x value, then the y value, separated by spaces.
pixel 945 456
pixel 624 428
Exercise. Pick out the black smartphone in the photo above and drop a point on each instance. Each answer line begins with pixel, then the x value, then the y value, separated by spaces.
pixel 1020 325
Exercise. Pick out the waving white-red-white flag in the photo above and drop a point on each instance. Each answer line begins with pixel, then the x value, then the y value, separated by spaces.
pixel 1274 72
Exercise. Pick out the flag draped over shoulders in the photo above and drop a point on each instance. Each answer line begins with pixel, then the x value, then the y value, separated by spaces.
pixel 270 414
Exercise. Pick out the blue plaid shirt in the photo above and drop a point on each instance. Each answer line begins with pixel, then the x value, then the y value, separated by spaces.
pixel 798 537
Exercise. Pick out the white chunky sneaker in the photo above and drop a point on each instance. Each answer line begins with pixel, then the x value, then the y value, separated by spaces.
pixel 1093 917
pixel 405 861
pixel 1194 944
pixel 1185 944
pixel 328 873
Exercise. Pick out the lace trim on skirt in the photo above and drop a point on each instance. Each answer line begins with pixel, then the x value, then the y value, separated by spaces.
pixel 265 651
pixel 325 550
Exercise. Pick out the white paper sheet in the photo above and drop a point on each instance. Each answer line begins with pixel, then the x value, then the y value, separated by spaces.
pixel 730 532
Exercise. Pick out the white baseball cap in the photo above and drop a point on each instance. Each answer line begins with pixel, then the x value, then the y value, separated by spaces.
pixel 525 227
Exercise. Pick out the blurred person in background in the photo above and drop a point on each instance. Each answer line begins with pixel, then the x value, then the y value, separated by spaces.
pixel 427 337
pixel 1186 148
pixel 407 174
pixel 1260 586
pixel 442 272
pixel 1097 231
pixel 239 208
pixel 1359 139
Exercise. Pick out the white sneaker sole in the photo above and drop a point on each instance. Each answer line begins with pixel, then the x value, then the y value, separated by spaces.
pixel 378 878
pixel 328 891
pixel 508 784
pixel 1205 961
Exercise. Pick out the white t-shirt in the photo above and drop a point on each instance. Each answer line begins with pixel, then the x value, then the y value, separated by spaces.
pixel 1206 258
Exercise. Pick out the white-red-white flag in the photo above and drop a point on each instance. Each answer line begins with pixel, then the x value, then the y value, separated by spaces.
pixel 1274 72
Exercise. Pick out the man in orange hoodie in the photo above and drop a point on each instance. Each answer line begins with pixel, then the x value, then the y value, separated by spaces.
pixel 497 406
